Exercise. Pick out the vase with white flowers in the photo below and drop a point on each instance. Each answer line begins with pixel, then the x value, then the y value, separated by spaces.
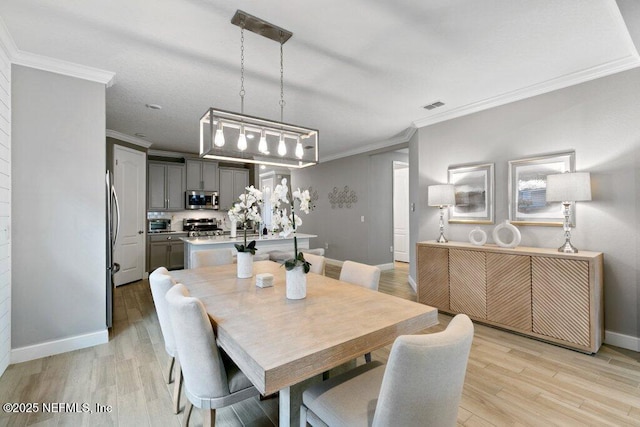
pixel 297 267
pixel 245 210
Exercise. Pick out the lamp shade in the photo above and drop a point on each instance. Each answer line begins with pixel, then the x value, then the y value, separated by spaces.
pixel 441 195
pixel 569 187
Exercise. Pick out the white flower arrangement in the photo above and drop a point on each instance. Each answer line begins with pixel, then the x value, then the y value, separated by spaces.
pixel 287 223
pixel 245 210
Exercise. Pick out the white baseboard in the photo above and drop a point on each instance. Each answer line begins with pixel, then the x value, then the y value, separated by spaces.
pixel 413 284
pixel 384 267
pixel 623 341
pixel 49 348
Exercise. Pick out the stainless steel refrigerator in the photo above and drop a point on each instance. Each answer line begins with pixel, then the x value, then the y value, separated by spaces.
pixel 113 226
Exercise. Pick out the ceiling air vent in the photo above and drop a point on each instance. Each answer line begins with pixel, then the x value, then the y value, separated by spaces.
pixel 434 105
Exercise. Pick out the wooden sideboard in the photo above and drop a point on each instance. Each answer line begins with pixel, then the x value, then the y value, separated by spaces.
pixel 538 292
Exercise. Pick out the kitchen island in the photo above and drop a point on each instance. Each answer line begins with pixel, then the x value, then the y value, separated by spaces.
pixel 264 244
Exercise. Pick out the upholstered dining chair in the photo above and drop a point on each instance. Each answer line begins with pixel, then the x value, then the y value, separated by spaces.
pixel 161 281
pixel 367 276
pixel 317 263
pixel 421 384
pixel 211 379
pixel 211 257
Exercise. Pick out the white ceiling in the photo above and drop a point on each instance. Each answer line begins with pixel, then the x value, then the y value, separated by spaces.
pixel 360 71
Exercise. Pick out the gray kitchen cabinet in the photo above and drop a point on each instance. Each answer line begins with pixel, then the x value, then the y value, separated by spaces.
pixel 166 251
pixel 232 183
pixel 166 186
pixel 202 175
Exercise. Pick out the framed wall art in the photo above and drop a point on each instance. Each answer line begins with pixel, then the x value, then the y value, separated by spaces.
pixel 528 189
pixel 474 187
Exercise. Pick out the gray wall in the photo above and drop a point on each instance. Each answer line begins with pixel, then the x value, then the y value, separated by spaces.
pixel 370 176
pixel 58 200
pixel 600 120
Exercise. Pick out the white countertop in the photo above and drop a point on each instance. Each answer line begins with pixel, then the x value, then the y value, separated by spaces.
pixel 213 240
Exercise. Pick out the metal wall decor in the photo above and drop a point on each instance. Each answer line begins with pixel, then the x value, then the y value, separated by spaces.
pixel 345 197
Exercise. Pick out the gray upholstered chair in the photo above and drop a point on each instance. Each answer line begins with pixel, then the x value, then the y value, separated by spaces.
pixel 161 282
pixel 367 276
pixel 211 257
pixel 421 384
pixel 364 275
pixel 317 263
pixel 211 379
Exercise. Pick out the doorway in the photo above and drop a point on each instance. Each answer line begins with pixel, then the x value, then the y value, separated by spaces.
pixel 400 211
pixel 129 179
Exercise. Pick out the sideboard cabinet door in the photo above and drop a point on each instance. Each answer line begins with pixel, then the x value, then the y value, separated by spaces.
pixel 509 290
pixel 433 276
pixel 468 285
pixel 560 293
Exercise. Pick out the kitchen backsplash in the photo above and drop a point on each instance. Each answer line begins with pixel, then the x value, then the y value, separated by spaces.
pixel 177 217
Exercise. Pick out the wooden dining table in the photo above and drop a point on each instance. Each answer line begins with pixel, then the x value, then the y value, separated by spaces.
pixel 279 343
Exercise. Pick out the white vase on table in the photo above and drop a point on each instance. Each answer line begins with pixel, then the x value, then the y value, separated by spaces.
pixel 296 283
pixel 245 265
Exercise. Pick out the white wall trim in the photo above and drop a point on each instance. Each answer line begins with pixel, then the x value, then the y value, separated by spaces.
pixel 413 283
pixel 128 138
pixel 608 68
pixel 49 348
pixel 385 267
pixel 623 341
pixel 46 63
pixel 404 137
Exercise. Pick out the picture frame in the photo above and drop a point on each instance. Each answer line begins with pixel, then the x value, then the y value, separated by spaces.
pixel 527 189
pixel 475 187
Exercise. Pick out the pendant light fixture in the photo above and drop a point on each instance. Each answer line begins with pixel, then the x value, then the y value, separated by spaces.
pixel 218 126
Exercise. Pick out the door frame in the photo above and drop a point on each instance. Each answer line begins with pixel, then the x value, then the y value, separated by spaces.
pixel 395 166
pixel 143 245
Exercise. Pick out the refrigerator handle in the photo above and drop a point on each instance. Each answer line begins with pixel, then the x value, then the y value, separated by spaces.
pixel 117 208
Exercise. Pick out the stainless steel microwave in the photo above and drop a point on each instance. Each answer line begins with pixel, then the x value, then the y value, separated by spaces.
pixel 201 200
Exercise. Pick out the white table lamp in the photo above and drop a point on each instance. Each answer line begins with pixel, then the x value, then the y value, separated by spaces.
pixel 441 195
pixel 566 188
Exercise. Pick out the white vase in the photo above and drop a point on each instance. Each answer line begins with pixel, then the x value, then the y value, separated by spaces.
pixel 245 265
pixel 296 282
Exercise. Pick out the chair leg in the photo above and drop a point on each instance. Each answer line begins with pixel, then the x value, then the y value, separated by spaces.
pixel 209 418
pixel 303 415
pixel 170 376
pixel 177 386
pixel 187 413
pixel 367 357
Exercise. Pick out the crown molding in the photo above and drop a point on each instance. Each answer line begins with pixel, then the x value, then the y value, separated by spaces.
pixel 128 138
pixel 606 69
pixel 45 63
pixel 404 137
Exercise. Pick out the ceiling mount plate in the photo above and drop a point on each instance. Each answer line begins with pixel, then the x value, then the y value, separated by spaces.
pixel 261 27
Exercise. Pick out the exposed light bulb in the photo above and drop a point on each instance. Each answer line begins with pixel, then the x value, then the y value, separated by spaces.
pixel 242 140
pixel 262 145
pixel 282 148
pixel 219 138
pixel 299 150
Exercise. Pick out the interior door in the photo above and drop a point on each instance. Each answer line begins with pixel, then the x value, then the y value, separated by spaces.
pixel 130 182
pixel 401 211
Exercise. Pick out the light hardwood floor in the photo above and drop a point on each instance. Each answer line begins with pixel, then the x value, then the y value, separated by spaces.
pixel 511 380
